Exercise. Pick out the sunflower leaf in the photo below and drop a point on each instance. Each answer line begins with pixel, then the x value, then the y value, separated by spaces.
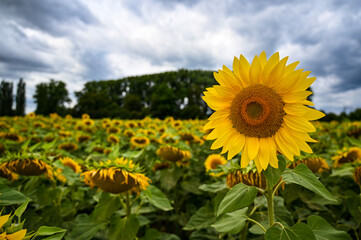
pixel 303 176
pixel 238 197
pixel 125 228
pixel 157 198
pixel 232 222
pixel 296 232
pixel 323 230
pixel 273 175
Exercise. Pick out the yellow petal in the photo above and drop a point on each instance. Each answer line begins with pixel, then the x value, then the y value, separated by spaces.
pixel 255 71
pixel 244 159
pixel 289 82
pixel 244 67
pixel 291 67
pixel 252 147
pixel 276 76
pixel 313 114
pixel 237 145
pixel 295 109
pixel 264 153
pixel 296 97
pixel 4 219
pixel 271 63
pixel 258 165
pixel 221 140
pixel 231 77
pixel 262 58
pixel 289 141
pixel 16 236
pixel 298 123
pixel 282 147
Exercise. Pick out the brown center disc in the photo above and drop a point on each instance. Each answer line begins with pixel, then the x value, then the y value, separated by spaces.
pixel 257 111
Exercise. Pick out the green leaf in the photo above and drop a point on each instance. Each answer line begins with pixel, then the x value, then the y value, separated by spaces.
pixel 203 218
pixel 273 175
pixel 132 154
pixel 125 228
pixel 20 210
pixel 239 196
pixel 303 176
pixel 10 196
pixel 32 148
pixel 214 187
pixel 25 144
pixel 323 230
pixel 299 231
pixel 345 170
pixel 169 178
pixel 232 222
pixel 57 236
pixel 354 141
pixel 106 206
pixel 154 234
pixel 84 229
pixel 46 231
pixel 157 198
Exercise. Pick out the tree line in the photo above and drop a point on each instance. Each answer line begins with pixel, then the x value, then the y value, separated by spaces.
pixel 176 93
pixel 7 98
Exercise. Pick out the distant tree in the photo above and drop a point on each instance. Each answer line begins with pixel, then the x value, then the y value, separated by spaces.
pixel 6 98
pixel 20 98
pixel 51 97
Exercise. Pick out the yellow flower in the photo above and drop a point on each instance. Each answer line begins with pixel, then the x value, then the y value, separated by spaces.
pixel 260 109
pixel 29 167
pixel 113 139
pixel 114 130
pixel 213 161
pixel 70 147
pixel 173 154
pixel 119 176
pixel 68 162
pixel 353 154
pixel 6 173
pixel 83 138
pixel 357 175
pixel 251 178
pixel 315 164
pixel 139 142
pixel 85 116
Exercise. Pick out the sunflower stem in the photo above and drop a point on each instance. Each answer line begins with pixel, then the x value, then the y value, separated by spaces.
pixel 129 208
pixel 269 197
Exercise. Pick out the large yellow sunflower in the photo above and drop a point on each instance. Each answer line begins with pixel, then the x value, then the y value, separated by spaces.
pixel 260 110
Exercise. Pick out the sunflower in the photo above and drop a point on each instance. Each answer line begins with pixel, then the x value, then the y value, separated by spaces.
pixel 177 124
pixel 29 167
pixel 98 149
pixel 353 154
pixel 18 235
pixel 357 175
pixel 69 162
pixel 129 133
pixel 88 122
pixel 315 164
pixel 161 165
pixel 83 138
pixel 251 178
pixel 139 142
pixel 260 110
pixel 173 154
pixel 12 136
pixel 31 115
pixel 213 161
pixel 48 138
pixel 6 173
pixel 70 147
pixel 167 139
pixel 113 139
pixel 120 175
pixel 117 122
pixel 131 124
pixel 113 130
pixel 85 116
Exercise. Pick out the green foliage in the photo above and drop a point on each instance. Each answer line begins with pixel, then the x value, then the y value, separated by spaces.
pixel 232 222
pixel 6 98
pixel 297 232
pixel 20 98
pixel 157 198
pixel 51 97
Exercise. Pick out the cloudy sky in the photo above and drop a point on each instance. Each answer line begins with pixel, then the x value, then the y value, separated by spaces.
pixel 83 40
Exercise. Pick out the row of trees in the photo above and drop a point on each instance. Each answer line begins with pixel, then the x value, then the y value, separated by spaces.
pixel 7 98
pixel 176 93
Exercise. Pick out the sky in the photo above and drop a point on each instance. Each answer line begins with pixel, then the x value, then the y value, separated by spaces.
pixel 84 40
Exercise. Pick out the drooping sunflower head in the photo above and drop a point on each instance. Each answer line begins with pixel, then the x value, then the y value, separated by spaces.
pixel 250 178
pixel 351 155
pixel 113 130
pixel 314 163
pixel 113 139
pixel 29 167
pixel 117 176
pixel 6 173
pixel 357 175
pixel 69 162
pixel 260 109
pixel 139 142
pixel 173 154
pixel 213 161
pixel 69 146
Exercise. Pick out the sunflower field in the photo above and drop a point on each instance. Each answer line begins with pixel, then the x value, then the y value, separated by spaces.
pixel 168 179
